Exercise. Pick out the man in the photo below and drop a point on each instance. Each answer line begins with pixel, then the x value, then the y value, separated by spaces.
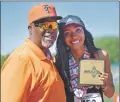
pixel 29 75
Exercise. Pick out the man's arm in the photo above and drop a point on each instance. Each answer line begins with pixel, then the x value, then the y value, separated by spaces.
pixel 15 80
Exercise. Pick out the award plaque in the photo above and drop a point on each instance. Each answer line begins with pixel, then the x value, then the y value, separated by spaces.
pixel 89 72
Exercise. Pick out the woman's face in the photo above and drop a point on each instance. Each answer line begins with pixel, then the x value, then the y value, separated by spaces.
pixel 74 36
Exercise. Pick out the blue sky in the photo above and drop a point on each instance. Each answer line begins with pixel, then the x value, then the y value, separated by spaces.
pixel 100 18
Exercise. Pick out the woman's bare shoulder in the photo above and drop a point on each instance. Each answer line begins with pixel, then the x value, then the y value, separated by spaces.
pixel 102 54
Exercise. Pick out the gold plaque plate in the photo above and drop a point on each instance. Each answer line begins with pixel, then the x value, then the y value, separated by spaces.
pixel 89 71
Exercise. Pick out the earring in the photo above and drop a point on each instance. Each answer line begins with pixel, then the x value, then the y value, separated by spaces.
pixel 68 48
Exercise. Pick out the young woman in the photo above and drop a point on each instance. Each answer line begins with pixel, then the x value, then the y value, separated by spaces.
pixel 73 44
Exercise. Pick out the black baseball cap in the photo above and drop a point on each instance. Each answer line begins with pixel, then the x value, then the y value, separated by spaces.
pixel 72 19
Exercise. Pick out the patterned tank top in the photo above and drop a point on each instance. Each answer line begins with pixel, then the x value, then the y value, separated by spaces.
pixel 73 69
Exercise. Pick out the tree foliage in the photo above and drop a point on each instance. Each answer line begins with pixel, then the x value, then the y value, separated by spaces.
pixel 3 58
pixel 111 45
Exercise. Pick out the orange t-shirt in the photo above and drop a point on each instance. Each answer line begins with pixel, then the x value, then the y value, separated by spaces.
pixel 29 76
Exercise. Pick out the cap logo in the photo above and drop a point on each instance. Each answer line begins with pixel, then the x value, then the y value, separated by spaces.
pixel 46 8
pixel 69 20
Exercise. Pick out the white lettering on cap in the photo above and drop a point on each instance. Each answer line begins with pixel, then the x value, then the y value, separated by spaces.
pixel 69 20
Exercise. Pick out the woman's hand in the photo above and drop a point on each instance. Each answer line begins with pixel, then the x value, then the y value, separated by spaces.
pixel 104 78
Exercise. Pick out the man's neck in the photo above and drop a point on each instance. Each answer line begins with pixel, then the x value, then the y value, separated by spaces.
pixel 45 50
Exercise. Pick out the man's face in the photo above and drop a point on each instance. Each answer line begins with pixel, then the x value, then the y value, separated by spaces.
pixel 44 34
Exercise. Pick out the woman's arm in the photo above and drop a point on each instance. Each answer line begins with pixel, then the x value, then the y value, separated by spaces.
pixel 107 77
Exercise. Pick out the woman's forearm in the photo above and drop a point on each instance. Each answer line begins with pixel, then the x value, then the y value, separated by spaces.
pixel 109 91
